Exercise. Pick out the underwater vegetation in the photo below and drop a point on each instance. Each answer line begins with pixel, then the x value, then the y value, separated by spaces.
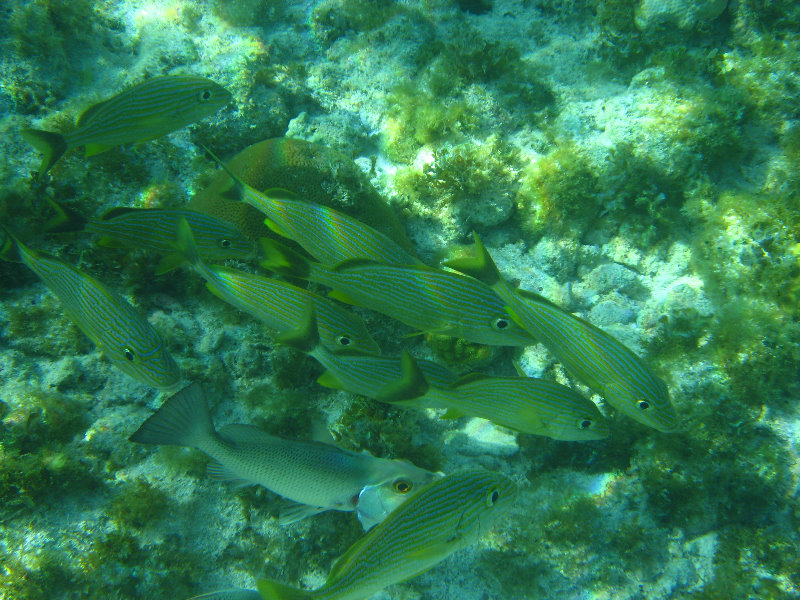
pixel 634 161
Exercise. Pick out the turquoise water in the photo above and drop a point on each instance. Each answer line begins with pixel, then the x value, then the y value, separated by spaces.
pixel 636 163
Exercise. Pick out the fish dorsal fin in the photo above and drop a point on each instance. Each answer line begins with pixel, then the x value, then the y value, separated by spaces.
pixel 239 433
pixel 412 383
pixel 280 194
pixel 352 263
pixel 481 266
pixel 534 297
pixel 118 211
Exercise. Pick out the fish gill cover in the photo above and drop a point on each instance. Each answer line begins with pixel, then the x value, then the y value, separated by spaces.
pixel 633 162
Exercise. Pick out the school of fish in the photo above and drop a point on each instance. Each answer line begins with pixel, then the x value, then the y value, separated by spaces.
pixel 414 518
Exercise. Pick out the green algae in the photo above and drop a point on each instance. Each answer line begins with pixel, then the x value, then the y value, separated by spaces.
pixel 465 355
pixel 138 505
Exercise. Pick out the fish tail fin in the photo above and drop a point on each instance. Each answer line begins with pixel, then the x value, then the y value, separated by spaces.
pixel 183 420
pixel 272 590
pixel 51 145
pixel 185 250
pixel 481 266
pixel 306 336
pixel 412 383
pixel 66 219
pixel 283 260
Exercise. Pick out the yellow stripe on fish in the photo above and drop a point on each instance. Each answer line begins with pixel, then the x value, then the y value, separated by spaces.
pixel 118 330
pixel 427 299
pixel 524 404
pixel 154 229
pixel 140 113
pixel 280 305
pixel 315 476
pixel 596 358
pixel 449 514
pixel 326 234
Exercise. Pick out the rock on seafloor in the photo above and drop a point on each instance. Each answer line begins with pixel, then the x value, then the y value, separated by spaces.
pixel 633 162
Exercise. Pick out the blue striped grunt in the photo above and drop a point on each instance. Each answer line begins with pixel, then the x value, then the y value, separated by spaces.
pixel 154 229
pixel 326 234
pixel 447 515
pixel 427 299
pixel 278 304
pixel 524 404
pixel 140 113
pixel 118 330
pixel 596 358
pixel 316 477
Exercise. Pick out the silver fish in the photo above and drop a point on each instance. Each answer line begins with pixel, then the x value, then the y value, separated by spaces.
pixel 315 476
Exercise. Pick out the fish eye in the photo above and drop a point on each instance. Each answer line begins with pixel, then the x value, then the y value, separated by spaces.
pixel 643 404
pixel 343 340
pixel 225 243
pixel 501 324
pixel 205 95
pixel 128 353
pixel 585 424
pixel 401 486
pixel 492 497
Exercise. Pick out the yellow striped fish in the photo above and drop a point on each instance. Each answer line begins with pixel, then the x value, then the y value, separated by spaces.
pixel 524 404
pixel 449 514
pixel 118 330
pixel 326 234
pixel 154 229
pixel 597 359
pixel 427 299
pixel 315 477
pixel 141 113
pixel 281 306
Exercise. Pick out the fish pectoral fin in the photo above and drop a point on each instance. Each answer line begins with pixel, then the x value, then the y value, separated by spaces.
pixel 329 380
pixel 292 512
pixel 411 385
pixel 343 297
pixel 453 413
pixel 220 472
pixel 92 149
pixel 273 226
pixel 272 590
pixel 169 263
pixel 433 551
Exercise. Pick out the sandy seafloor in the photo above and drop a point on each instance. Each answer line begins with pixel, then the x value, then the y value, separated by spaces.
pixel 636 163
